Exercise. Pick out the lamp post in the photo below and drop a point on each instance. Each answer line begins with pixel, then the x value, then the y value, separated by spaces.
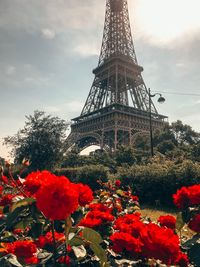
pixel 161 100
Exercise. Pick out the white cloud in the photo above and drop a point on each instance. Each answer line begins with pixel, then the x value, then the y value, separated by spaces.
pixel 48 34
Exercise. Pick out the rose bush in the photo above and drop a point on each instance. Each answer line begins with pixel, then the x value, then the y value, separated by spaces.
pixel 46 220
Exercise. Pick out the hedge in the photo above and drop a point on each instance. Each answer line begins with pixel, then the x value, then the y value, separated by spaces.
pixel 156 183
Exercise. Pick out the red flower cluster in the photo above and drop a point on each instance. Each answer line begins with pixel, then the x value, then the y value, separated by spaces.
pixel 153 241
pixel 25 251
pixel 194 223
pixel 187 196
pixel 124 241
pixel 99 214
pixel 47 239
pixel 56 196
pixel 6 200
pixel 168 221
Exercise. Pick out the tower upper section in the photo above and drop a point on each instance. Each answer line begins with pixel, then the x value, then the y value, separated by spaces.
pixel 117 38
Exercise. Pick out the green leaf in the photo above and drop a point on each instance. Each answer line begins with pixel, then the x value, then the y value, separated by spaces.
pixel 91 236
pixel 100 253
pixel 13 216
pixel 24 223
pixel 76 241
pixel 179 221
pixel 36 229
pixel 23 202
pixel 8 237
pixel 191 242
pixel 194 254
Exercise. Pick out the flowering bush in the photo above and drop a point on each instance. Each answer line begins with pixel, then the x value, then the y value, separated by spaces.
pixel 46 220
pixel 187 199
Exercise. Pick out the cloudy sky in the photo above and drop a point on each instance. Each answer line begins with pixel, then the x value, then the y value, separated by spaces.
pixel 48 49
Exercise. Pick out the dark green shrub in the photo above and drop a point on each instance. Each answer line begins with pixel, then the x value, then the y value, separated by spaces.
pixel 156 182
pixel 91 174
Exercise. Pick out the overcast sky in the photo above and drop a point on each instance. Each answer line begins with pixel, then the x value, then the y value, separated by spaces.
pixel 48 49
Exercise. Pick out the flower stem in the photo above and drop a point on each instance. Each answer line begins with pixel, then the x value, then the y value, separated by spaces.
pixel 68 225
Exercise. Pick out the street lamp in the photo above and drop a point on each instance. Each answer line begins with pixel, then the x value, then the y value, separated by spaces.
pixel 161 100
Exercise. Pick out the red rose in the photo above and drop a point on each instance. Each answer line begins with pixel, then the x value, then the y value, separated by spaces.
pixel 90 222
pixel 125 241
pixel 22 248
pixel 168 221
pixel 117 183
pixel 35 179
pixel 187 196
pixel 100 207
pixel 47 239
pixel 85 194
pixel 6 200
pixel 194 223
pixel 135 198
pixel 160 243
pixel 57 198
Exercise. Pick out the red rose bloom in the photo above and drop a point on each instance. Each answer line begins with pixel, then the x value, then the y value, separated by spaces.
pixel 194 223
pixel 135 198
pixel 47 239
pixel 6 200
pixel 117 183
pixel 22 249
pixel 168 221
pixel 57 198
pixel 35 179
pixel 125 241
pixel 160 243
pixel 96 218
pixel 90 222
pixel 187 196
pixel 85 194
pixel 100 207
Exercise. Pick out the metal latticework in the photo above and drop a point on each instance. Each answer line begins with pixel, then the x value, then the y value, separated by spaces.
pixel 120 82
pixel 118 103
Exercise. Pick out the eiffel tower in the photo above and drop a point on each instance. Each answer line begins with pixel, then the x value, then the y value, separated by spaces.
pixel 118 105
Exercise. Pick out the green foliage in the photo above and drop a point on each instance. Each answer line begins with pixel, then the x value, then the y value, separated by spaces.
pixel 125 155
pixel 41 140
pixel 91 174
pixel 157 182
pixel 88 174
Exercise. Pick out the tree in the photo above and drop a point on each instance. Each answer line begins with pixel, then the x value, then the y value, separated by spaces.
pixel 41 141
pixel 184 133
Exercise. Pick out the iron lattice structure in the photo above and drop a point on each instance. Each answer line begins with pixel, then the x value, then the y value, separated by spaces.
pixel 118 105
